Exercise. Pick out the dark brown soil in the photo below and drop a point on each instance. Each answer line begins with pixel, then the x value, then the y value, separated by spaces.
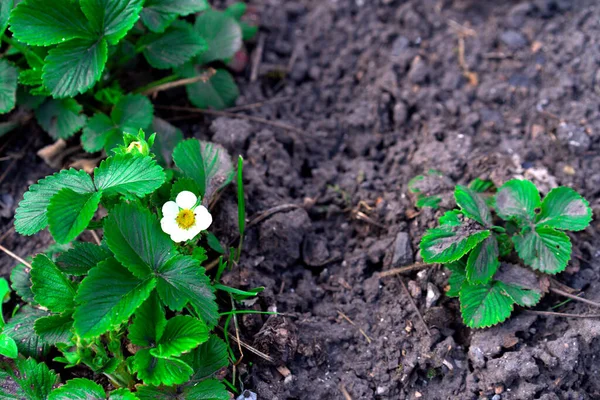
pixel 378 93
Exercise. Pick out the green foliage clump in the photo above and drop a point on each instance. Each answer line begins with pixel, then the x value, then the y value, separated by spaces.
pixel 471 241
pixel 69 61
pixel 136 307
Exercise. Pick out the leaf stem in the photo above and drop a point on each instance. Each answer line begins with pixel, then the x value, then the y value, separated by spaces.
pixel 23 49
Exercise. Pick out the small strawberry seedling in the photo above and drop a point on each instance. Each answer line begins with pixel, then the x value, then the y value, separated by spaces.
pixel 471 242
pixel 136 307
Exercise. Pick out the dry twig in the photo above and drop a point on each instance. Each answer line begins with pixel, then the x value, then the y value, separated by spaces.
pixel 251 118
pixel 412 302
pixel 559 314
pixel 13 255
pixel 353 324
pixel 571 296
pixel 404 270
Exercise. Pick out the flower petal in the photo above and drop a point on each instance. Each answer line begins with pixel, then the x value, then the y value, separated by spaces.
pixel 203 218
pixel 170 209
pixel 179 235
pixel 168 225
pixel 186 199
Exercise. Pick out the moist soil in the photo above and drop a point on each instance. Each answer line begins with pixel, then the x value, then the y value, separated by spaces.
pixel 378 92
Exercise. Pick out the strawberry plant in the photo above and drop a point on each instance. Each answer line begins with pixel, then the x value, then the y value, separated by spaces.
pixel 471 241
pixel 69 61
pixel 136 307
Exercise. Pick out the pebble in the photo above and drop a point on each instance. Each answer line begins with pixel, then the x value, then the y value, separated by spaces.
pixel 497 397
pixel 403 254
pixel 433 294
pixel 513 39
pixel 247 395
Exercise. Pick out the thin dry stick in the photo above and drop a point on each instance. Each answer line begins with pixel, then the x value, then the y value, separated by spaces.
pixel 570 296
pixel 559 314
pixel 234 115
pixel 204 77
pixel 412 302
pixel 13 255
pixel 257 57
pixel 96 238
pixel 237 333
pixel 345 392
pixel 404 270
pixel 353 324
pixel 249 348
pixel 8 232
pixel 257 104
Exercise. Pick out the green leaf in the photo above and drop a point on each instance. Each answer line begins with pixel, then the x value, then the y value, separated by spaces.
pixel 177 45
pixel 109 95
pixel 156 371
pixel 428 201
pixel 31 213
pixel 483 306
pixel 55 329
pixel 8 86
pixel 135 237
pixel 182 280
pixel 222 33
pixel 20 328
pixel 81 258
pixel 32 382
pixel 182 184
pixel 21 282
pixel 237 10
pixel 74 67
pixel 210 389
pixel 69 213
pixel 8 347
pixel 132 113
pixel 5 8
pixel 158 14
pixel 450 242
pixel 518 200
pixel 122 394
pixel 166 140
pixel 78 389
pixel 564 208
pixel 149 323
pixel 128 175
pixel 107 297
pixel 112 19
pixel 544 249
pixel 31 77
pixel 473 205
pixel 213 243
pixel 51 288
pixel 458 277
pixel 521 295
pixel 451 218
pixel 60 118
pixel 218 92
pixel 188 158
pixel 483 262
pixel 208 358
pixel 41 23
pixel 95 134
pixel 182 334
pixel 481 185
pixel 209 165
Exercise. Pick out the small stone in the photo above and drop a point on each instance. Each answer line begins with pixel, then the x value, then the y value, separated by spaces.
pixel 414 289
pixel 497 397
pixel 403 254
pixel 513 40
pixel 400 114
pixel 433 294
pixel 247 395
pixel 536 131
pixel 418 395
pixel 499 389
pixel 574 136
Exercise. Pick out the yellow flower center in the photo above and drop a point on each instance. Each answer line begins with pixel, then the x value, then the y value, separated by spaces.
pixel 185 219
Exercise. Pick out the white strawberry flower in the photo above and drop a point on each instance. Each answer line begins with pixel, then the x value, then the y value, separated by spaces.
pixel 184 218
